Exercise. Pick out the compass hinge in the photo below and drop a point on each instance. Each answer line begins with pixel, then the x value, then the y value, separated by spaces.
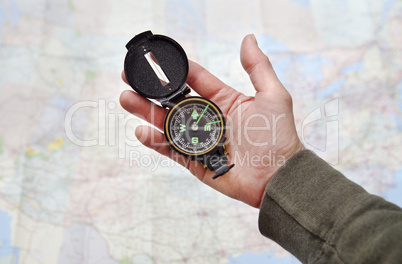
pixel 175 97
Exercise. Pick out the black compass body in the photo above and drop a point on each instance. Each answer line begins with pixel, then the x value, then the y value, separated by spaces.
pixel 156 67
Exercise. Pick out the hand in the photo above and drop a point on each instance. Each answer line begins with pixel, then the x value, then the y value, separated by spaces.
pixel 261 131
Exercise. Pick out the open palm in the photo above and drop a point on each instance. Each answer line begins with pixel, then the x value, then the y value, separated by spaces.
pixel 260 130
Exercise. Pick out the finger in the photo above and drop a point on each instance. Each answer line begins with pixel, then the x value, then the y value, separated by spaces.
pixel 203 82
pixel 258 66
pixel 207 85
pixel 155 140
pixel 143 108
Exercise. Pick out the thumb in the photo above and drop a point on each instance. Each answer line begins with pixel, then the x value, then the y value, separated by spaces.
pixel 258 66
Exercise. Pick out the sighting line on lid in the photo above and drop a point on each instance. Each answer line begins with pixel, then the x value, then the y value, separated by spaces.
pixel 157 68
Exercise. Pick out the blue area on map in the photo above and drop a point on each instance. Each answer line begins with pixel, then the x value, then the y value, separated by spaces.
pixel 394 193
pixel 309 65
pixel 7 251
pixel 385 10
pixel 352 68
pixel 303 3
pixel 190 17
pixel 270 45
pixel 281 66
pixel 61 102
pixel 398 104
pixel 332 88
pixel 12 15
pixel 250 258
pixel 312 65
pixel 1 19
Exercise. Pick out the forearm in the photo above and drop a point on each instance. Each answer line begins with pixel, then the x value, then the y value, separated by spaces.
pixel 320 216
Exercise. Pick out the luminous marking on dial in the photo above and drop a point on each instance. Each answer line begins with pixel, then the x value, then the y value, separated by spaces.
pixel 194 136
pixel 194 114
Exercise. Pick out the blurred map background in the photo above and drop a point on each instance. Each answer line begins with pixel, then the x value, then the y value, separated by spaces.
pixel 111 200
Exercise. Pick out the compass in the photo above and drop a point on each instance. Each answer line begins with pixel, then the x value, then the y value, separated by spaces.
pixel 194 126
pixel 156 67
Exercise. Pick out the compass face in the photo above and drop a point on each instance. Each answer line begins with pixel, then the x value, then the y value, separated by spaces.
pixel 194 126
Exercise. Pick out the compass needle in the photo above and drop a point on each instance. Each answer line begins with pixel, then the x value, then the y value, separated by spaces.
pixel 202 113
pixel 213 122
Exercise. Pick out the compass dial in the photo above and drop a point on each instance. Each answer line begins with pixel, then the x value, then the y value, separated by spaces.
pixel 194 126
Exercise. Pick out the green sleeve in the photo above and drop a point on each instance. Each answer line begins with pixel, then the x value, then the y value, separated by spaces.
pixel 320 216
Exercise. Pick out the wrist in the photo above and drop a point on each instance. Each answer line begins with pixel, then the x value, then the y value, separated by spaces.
pixel 296 148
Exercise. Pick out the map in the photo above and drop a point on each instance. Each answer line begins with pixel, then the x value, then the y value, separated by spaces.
pixel 76 186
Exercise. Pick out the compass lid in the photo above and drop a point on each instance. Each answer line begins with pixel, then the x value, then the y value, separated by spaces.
pixel 156 66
